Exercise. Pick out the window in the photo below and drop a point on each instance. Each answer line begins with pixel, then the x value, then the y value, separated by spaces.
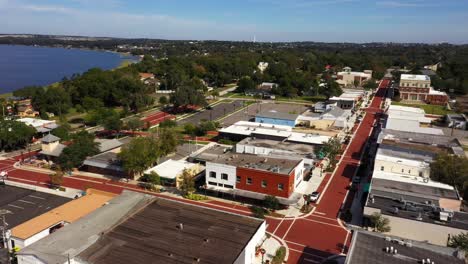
pixel 420 174
pixel 213 183
pixel 280 186
pixel 382 168
pixel 264 183
pixel 402 170
pixel 224 176
pixel 409 171
pixel 212 174
pixel 228 186
pixel 249 181
pixel 238 179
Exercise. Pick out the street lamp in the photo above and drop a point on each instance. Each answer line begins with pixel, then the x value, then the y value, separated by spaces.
pixel 262 251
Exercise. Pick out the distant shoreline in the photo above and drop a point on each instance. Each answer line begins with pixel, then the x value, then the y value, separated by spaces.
pixel 126 59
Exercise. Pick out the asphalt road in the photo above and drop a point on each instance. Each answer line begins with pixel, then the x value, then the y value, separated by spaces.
pixel 216 112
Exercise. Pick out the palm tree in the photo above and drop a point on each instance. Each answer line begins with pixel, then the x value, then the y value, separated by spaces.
pixel 381 224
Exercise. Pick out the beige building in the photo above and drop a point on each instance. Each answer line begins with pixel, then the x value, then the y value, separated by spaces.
pixel 350 78
pixel 171 171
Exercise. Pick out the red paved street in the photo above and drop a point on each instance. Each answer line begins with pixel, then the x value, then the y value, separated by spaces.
pixel 310 239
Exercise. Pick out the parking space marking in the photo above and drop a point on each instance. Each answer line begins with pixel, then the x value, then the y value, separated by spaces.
pixel 37 197
pixel 15 206
pixel 28 202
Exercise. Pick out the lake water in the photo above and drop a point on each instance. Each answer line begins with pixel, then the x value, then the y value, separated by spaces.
pixel 27 65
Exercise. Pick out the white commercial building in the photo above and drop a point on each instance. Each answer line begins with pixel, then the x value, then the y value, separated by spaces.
pixel 243 129
pixel 410 119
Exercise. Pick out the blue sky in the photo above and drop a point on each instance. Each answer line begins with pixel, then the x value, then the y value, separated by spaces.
pixel 269 20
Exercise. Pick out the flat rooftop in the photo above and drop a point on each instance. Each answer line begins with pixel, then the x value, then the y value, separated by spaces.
pixel 395 189
pixel 257 162
pixel 210 154
pixel 414 77
pixel 367 247
pixel 66 213
pixel 428 213
pixel 140 228
pixel 23 204
pixel 298 148
pixel 173 232
pixel 107 160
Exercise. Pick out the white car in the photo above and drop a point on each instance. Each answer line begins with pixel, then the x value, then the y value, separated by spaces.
pixel 314 196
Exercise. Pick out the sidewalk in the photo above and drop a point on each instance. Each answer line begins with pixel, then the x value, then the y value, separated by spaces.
pixel 270 245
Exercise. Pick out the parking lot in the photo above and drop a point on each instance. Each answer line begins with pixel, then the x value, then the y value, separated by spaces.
pixel 250 112
pixel 216 112
pixel 22 205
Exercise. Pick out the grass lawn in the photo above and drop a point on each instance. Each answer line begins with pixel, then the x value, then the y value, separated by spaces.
pixel 429 109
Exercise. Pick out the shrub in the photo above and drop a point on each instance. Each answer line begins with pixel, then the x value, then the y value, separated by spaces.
pixel 195 197
pixel 271 202
pixel 279 256
pixel 226 141
pixel 258 212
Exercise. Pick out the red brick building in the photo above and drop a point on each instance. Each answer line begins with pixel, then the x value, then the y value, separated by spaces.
pixel 255 176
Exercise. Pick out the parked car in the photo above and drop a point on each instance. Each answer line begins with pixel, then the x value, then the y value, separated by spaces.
pixel 314 196
pixel 357 179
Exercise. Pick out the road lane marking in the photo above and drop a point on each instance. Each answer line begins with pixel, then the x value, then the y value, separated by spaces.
pixel 276 229
pixel 287 241
pixel 294 221
pixel 322 223
pixel 320 213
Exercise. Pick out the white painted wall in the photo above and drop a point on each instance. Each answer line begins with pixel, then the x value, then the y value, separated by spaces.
pixel 219 169
pixel 401 168
pixel 248 254
pixel 29 259
pixel 299 174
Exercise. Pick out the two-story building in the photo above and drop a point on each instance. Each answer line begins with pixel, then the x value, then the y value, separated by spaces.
pixel 417 88
pixel 255 176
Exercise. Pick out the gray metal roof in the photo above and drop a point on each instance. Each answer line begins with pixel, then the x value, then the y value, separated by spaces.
pixel 57 247
pixel 108 144
pixel 140 228
pixel 106 160
pixel 49 138
pixel 369 248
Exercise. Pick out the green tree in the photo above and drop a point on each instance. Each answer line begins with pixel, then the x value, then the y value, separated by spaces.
pixel 187 95
pixel 112 122
pixel 451 169
pixel 56 179
pixel 370 84
pixel 330 149
pixel 187 183
pixel 168 123
pixel 152 178
pixel 459 241
pixel 14 134
pixel 134 123
pixel 163 100
pixel 140 154
pixel 379 223
pixel 245 84
pixel 258 211
pixel 83 146
pixel 271 202
pixel 167 142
